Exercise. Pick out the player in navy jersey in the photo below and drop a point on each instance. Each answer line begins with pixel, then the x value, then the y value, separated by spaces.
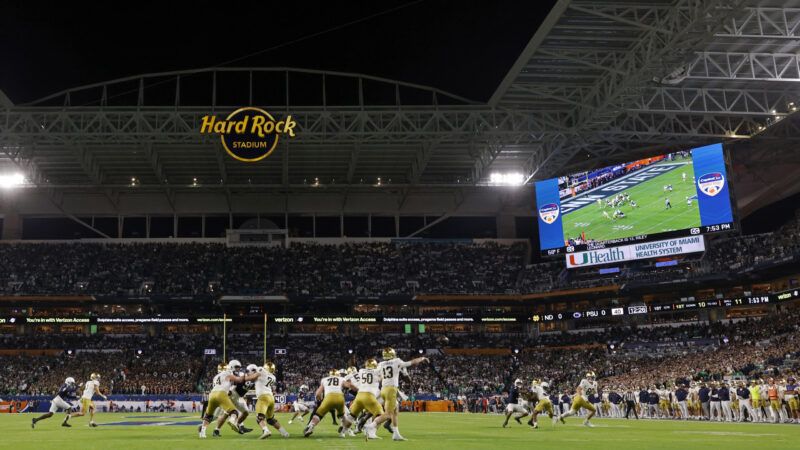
pixel 61 402
pixel 516 405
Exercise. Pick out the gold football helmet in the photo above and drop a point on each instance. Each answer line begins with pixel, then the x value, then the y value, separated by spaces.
pixel 590 374
pixel 389 353
pixel 221 368
pixel 333 372
pixel 371 364
pixel 95 376
pixel 269 366
pixel 352 370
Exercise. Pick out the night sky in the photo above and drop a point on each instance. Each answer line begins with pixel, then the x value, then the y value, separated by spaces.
pixel 462 47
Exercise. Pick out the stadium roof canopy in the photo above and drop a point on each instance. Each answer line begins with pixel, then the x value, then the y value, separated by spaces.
pixel 600 81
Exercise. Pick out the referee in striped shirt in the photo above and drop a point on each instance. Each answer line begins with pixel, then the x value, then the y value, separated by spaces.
pixel 630 404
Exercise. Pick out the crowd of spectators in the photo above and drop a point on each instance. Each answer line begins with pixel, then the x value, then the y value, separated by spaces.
pixel 360 269
pixel 174 364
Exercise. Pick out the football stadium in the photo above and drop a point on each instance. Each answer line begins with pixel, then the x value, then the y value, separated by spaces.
pixel 408 223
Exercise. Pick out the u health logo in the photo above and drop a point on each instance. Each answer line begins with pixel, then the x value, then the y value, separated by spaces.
pixel 249 134
pixel 711 183
pixel 549 213
pixel 575 262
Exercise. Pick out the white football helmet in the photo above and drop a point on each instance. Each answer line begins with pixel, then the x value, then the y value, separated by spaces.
pixel 234 365
pixel 303 388
pixel 545 385
pixel 69 380
pixel 252 367
pixel 517 382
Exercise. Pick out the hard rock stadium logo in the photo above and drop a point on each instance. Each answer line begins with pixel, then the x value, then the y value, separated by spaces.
pixel 249 134
pixel 711 183
pixel 549 213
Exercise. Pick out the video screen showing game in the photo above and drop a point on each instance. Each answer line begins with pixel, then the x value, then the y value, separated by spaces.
pixel 670 195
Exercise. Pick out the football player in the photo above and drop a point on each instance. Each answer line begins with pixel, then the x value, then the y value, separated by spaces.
pixel 587 386
pixel 92 387
pixel 330 396
pixel 219 396
pixel 61 402
pixel 265 405
pixel 790 394
pixel 538 396
pixel 237 394
pixel 369 381
pixel 516 403
pixel 390 368
pixel 299 405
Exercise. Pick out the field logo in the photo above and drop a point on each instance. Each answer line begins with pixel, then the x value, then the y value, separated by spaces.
pixel 549 213
pixel 711 183
pixel 249 134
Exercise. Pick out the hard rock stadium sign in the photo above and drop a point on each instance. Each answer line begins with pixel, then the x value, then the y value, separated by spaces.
pixel 249 134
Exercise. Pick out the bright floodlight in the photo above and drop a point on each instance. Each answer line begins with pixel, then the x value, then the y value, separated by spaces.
pixel 507 179
pixel 12 180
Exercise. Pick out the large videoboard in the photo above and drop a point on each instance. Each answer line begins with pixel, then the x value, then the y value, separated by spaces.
pixel 667 196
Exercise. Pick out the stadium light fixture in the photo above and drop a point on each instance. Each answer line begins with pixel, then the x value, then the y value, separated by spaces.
pixel 11 180
pixel 507 179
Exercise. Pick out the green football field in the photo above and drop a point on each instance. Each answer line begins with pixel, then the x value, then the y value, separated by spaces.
pixel 423 431
pixel 651 215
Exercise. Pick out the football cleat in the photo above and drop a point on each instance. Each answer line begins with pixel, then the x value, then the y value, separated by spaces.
pixel 535 425
pixel 202 435
pixel 398 437
pixel 33 423
pixel 65 424
pixel 233 426
pixel 518 420
pixel 284 433
pixel 588 424
pixel 308 431
pixel 243 429
pixel 92 424
pixel 265 434
pixel 388 426
pixel 216 434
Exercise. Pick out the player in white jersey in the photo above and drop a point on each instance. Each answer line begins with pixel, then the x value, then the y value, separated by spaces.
pixel 265 403
pixel 586 387
pixel 368 387
pixel 237 393
pixel 91 388
pixel 219 396
pixel 390 368
pixel 330 395
pixel 299 406
pixel 538 396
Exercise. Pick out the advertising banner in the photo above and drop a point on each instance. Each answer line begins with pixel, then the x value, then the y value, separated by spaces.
pixel 644 250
